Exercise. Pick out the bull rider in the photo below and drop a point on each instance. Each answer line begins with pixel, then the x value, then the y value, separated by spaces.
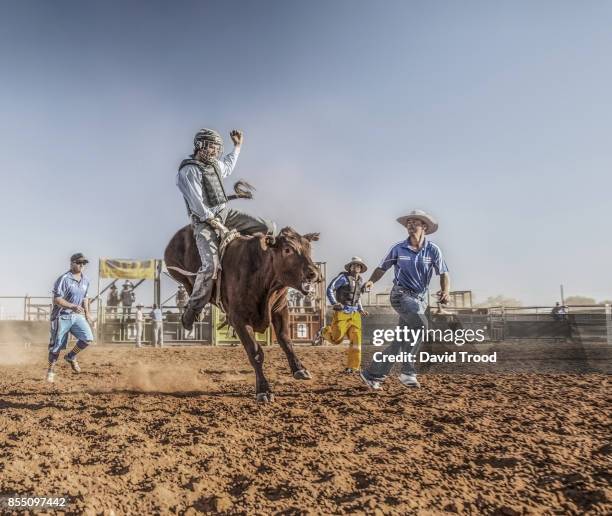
pixel 200 180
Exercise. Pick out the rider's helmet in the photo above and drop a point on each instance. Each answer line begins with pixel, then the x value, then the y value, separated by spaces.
pixel 209 141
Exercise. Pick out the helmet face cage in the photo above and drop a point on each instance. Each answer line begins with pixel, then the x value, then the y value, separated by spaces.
pixel 205 139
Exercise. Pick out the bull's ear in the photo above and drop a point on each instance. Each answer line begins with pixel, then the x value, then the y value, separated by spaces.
pixel 267 241
pixel 312 237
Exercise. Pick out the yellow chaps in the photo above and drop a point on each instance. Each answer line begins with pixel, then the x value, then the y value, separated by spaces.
pixel 348 325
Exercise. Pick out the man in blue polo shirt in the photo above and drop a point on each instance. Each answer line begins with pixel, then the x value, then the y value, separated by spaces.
pixel 414 260
pixel 70 315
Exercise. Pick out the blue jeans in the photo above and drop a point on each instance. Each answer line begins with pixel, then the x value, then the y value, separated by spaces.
pixel 63 326
pixel 411 312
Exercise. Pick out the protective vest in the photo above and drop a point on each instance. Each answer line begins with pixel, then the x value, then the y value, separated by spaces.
pixel 350 293
pixel 212 185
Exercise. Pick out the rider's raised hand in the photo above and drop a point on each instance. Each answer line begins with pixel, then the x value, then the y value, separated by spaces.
pixel 237 137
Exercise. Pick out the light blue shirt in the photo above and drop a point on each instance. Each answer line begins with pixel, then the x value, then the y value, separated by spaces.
pixel 413 269
pixel 189 182
pixel 71 290
pixel 156 315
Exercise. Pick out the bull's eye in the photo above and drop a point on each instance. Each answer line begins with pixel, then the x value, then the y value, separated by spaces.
pixel 287 250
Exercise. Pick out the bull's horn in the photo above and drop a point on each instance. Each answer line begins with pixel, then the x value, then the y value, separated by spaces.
pixel 266 241
pixel 312 237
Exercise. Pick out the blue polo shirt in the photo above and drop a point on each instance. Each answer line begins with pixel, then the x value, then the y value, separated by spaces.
pixel 413 269
pixel 70 289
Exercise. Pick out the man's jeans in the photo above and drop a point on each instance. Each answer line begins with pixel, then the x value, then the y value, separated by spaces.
pixel 411 312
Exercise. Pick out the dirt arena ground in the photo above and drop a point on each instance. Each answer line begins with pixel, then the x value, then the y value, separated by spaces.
pixel 178 430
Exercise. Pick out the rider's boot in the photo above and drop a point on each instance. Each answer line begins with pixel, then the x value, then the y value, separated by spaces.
pixel 199 299
pixel 188 318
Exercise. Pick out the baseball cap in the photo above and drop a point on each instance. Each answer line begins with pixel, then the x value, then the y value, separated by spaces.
pixel 78 257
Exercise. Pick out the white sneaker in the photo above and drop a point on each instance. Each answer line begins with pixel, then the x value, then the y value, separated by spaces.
pixel 50 376
pixel 409 380
pixel 372 384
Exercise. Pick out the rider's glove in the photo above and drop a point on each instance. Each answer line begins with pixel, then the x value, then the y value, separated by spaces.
pixel 218 226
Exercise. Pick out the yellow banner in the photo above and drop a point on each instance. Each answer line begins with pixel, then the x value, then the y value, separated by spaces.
pixel 127 269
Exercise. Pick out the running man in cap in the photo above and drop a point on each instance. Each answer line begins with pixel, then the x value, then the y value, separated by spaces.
pixel 414 261
pixel 70 315
pixel 344 293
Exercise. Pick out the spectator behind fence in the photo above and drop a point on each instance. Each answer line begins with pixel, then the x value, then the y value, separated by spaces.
pixel 112 301
pixel 559 312
pixel 127 298
pixel 158 326
pixel 296 299
pixel 181 298
pixel 139 325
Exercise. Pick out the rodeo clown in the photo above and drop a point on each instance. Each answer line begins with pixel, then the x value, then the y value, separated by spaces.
pixel 200 180
pixel 70 315
pixel 344 293
pixel 414 261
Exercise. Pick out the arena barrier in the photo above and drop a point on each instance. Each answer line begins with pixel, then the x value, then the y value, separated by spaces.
pixel 118 329
pixel 508 323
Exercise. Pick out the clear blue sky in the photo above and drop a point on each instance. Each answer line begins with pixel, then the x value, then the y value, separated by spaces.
pixel 494 116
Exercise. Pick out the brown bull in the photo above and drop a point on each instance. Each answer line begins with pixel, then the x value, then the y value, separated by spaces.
pixel 256 271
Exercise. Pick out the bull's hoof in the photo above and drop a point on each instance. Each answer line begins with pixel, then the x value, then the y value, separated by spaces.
pixel 302 374
pixel 265 397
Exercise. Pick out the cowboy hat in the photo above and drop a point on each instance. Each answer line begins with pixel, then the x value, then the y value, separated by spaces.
pixel 358 261
pixel 430 223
